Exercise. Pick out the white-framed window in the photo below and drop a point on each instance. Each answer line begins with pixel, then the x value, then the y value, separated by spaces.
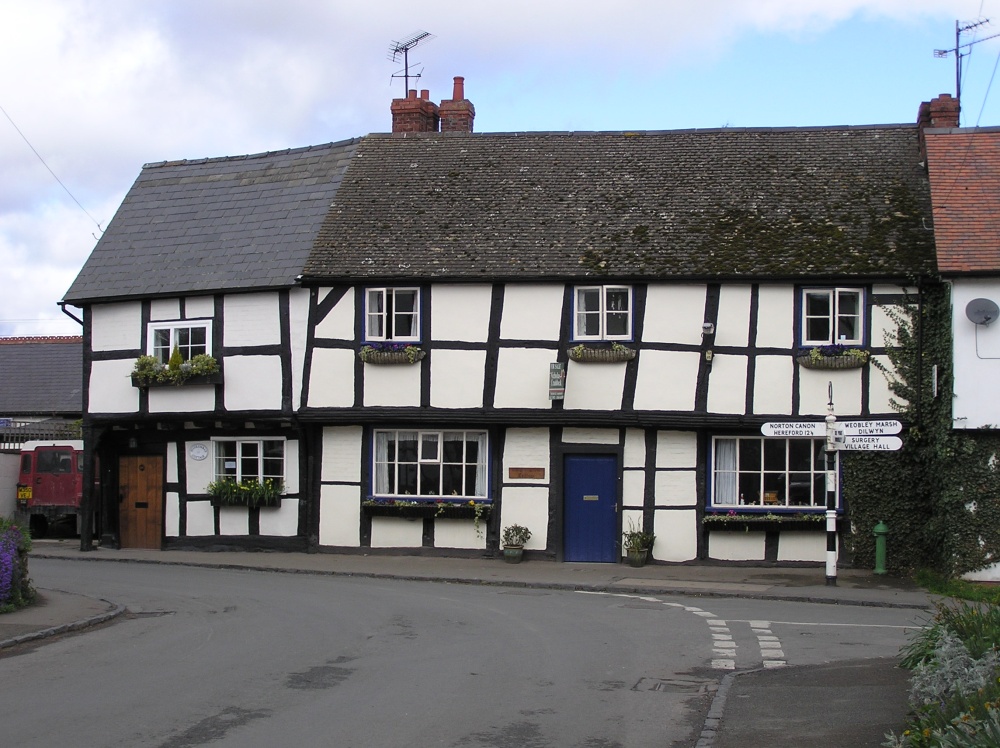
pixel 768 472
pixel 250 459
pixel 392 314
pixel 190 337
pixel 832 316
pixel 602 313
pixel 430 464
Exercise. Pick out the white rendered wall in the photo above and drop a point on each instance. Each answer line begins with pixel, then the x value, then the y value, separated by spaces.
pixel 727 384
pixel 340 516
pixel 164 309
pixel 461 312
pixel 594 386
pixel 676 535
pixel 252 319
pixel 989 574
pixel 736 546
pixel 186 398
pixel 331 378
pixel 281 521
pixel 172 514
pixel 801 546
pixel 388 386
pixel 526 448
pixel 733 327
pixel 338 324
pixel 199 306
pixel 772 388
pixel 523 378
pixel 977 357
pixel 459 533
pixel 234 520
pixel 674 314
pixel 667 380
pixel 9 466
pixel 676 488
pixel 298 322
pixel 111 389
pixel 528 507
pixel 394 532
pixel 342 454
pixel 633 487
pixel 531 312
pixel 814 391
pixel 775 317
pixel 199 472
pixel 253 383
pixel 635 449
pixel 571 435
pixel 677 449
pixel 116 327
pixel 457 379
pixel 200 518
pixel 879 395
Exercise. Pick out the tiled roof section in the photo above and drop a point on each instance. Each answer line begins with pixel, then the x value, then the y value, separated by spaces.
pixel 780 203
pixel 195 226
pixel 964 168
pixel 41 376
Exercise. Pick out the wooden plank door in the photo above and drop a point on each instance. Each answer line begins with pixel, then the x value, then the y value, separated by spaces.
pixel 590 531
pixel 140 508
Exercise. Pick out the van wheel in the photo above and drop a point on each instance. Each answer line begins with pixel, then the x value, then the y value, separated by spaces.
pixel 38 526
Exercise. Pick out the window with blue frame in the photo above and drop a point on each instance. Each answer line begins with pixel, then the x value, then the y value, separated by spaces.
pixel 602 313
pixel 771 473
pixel 392 314
pixel 832 316
pixel 430 464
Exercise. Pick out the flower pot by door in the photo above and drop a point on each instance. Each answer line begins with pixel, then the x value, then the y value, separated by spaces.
pixel 512 554
pixel 637 557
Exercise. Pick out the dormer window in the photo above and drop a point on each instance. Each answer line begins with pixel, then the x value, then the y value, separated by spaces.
pixel 602 313
pixel 190 337
pixel 392 314
pixel 832 316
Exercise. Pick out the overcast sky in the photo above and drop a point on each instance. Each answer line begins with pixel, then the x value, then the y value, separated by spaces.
pixel 100 87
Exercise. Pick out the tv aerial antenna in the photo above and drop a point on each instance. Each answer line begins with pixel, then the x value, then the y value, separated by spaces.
pixel 961 28
pixel 403 47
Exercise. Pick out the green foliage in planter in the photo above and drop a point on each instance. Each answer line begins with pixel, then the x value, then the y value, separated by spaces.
pixel 515 535
pixel 816 355
pixel 148 370
pixel 250 493
pixel 939 494
pixel 635 539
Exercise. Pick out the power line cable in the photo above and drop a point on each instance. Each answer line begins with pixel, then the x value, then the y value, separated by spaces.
pixel 54 176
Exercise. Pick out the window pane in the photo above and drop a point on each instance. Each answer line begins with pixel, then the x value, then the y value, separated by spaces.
pixel 818 304
pixel 161 345
pixel 225 459
pixel 819 490
pixel 774 454
pixel 799 454
pixel 452 448
pixel 406 301
pixel 617 299
pixel 848 316
pixel 588 300
pixel 750 488
pixel 406 446
pixel 407 480
pixel 429 447
pixel 618 324
pixel 430 479
pixel 376 314
pixel 818 330
pixel 451 481
pixel 774 489
pixel 750 454
pixel 800 489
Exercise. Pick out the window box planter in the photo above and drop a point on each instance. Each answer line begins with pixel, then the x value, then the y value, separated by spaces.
pixel 771 523
pixel 250 493
pixel 614 354
pixel 389 356
pixel 428 509
pixel 197 379
pixel 267 503
pixel 833 357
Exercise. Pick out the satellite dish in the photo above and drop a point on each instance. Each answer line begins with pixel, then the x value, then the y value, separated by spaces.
pixel 982 311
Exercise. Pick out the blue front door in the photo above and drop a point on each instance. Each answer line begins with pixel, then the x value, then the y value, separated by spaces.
pixel 590 492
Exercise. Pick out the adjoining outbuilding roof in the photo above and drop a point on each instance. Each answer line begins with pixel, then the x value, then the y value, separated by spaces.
pixel 236 223
pixel 782 203
pixel 41 376
pixel 964 169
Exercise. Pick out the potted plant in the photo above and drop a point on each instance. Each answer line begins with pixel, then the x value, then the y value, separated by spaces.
pixel 250 493
pixel 832 357
pixel 637 544
pixel 513 538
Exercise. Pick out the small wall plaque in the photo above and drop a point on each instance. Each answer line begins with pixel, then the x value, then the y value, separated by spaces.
pixel 515 473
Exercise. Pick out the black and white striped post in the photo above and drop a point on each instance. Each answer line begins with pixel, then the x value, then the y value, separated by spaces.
pixel 831 492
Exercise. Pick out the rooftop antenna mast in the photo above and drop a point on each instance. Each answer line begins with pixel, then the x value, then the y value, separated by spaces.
pixel 403 47
pixel 961 28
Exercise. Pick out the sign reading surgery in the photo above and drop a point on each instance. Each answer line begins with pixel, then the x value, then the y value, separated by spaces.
pixel 873 443
pixel 793 428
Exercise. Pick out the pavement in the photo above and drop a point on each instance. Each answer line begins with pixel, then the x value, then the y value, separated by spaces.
pixel 838 705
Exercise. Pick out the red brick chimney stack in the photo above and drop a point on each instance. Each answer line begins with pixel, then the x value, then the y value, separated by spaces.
pixel 457 113
pixel 414 114
pixel 940 112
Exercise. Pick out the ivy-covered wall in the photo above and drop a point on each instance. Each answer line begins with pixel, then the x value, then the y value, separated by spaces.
pixel 940 494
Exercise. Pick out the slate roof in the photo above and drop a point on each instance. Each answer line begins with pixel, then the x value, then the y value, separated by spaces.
pixel 728 203
pixel 964 168
pixel 41 376
pixel 245 222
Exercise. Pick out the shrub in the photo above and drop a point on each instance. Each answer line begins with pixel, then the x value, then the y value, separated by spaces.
pixel 15 584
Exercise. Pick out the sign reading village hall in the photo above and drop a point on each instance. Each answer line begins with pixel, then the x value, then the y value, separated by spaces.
pixel 854 435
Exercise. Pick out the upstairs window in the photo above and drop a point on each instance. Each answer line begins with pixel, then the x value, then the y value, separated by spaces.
pixel 189 337
pixel 602 313
pixel 392 314
pixel 250 459
pixel 430 464
pixel 832 316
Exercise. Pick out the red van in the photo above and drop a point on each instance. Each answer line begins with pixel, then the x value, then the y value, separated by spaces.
pixel 50 484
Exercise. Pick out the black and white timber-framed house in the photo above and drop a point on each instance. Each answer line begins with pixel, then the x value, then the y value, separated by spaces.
pixel 428 335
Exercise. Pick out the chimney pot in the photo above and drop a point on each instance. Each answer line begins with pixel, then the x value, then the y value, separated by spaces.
pixel 411 94
pixel 459 91
pixel 425 95
pixel 457 113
